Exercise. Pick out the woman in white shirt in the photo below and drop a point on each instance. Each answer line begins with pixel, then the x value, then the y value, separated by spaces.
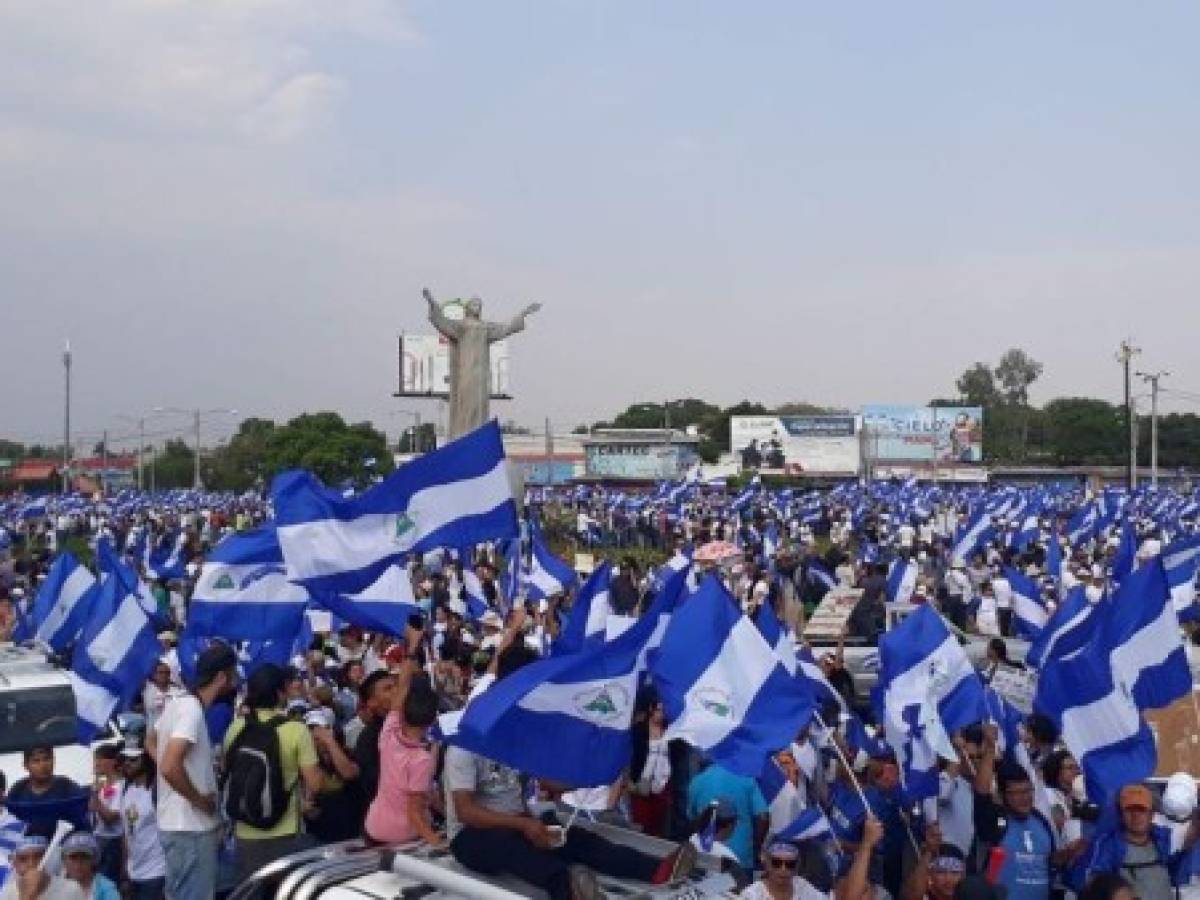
pixel 650 772
pixel 145 864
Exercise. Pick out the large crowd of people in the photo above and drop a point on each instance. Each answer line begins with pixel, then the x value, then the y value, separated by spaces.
pixel 239 764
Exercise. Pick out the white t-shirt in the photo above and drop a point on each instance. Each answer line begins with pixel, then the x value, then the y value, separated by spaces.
pixel 154 701
pixel 184 718
pixel 1003 591
pixel 146 860
pixel 956 811
pixel 801 890
pixel 108 796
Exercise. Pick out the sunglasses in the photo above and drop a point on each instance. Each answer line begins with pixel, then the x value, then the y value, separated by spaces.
pixel 777 863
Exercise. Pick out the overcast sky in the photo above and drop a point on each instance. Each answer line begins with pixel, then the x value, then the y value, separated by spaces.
pixel 235 203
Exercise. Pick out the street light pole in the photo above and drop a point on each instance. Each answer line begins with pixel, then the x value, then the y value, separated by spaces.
pixel 67 419
pixel 1152 379
pixel 196 476
pixel 1127 352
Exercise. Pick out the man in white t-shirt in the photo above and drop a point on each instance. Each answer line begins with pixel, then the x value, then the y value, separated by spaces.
pixel 187 779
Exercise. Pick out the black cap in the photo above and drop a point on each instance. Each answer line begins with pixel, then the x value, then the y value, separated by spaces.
pixel 215 659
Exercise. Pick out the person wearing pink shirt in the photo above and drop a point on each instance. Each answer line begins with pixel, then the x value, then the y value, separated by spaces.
pixel 399 812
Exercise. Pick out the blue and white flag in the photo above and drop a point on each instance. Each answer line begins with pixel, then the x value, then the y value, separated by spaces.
pixel 567 718
pixel 1126 555
pixel 930 690
pixel 902 580
pixel 457 495
pixel 677 563
pixel 589 614
pixel 116 652
pixel 1134 662
pixel 63 603
pixel 1054 554
pixel 1180 560
pixel 974 535
pixel 723 689
pixel 1029 612
pixel 385 606
pixel 820 577
pixel 1082 526
pixel 1029 528
pixel 548 575
pixel 777 637
pixel 1066 631
pixel 243 592
pixel 810 825
pixel 783 800
pixel 473 595
pixel 166 562
pixel 809 668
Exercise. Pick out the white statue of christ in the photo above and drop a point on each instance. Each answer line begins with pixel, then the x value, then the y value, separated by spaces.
pixel 470 363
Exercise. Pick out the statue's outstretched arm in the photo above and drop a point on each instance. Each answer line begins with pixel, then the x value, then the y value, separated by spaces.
pixel 440 320
pixel 500 330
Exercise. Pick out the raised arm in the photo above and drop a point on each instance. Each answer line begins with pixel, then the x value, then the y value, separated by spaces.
pixel 499 331
pixel 439 319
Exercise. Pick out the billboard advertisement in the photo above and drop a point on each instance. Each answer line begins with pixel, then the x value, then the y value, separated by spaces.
pixel 425 361
pixel 638 461
pixel 425 365
pixel 938 435
pixel 813 445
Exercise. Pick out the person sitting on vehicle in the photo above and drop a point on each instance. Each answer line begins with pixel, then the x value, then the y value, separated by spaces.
pixel 29 880
pixel 492 832
pixel 81 861
pixel 42 798
pixel 1153 857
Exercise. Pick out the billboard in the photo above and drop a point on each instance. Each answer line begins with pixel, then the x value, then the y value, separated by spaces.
pixel 425 366
pixel 938 435
pixel 638 460
pixel 425 361
pixel 814 445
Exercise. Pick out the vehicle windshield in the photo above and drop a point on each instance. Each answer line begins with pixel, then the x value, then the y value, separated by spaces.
pixel 36 717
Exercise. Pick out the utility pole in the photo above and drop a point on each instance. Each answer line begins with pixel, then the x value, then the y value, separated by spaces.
pixel 141 452
pixel 67 420
pixel 1152 378
pixel 1127 352
pixel 196 475
pixel 104 466
pixel 549 454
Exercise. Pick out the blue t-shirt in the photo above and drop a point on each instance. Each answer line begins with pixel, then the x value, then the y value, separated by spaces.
pixel 1026 871
pixel 717 783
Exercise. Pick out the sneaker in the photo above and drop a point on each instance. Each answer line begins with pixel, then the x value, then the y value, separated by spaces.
pixel 584 885
pixel 685 861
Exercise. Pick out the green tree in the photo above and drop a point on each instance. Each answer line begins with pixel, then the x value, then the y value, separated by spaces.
pixel 240 464
pixel 11 450
pixel 801 408
pixel 1082 430
pixel 1016 371
pixel 977 386
pixel 174 466
pixel 325 445
pixel 1178 441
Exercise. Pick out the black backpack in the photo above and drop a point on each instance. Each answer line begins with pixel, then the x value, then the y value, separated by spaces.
pixel 254 792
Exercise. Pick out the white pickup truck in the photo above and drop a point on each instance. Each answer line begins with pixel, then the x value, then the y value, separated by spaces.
pixel 37 709
pixel 862 659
